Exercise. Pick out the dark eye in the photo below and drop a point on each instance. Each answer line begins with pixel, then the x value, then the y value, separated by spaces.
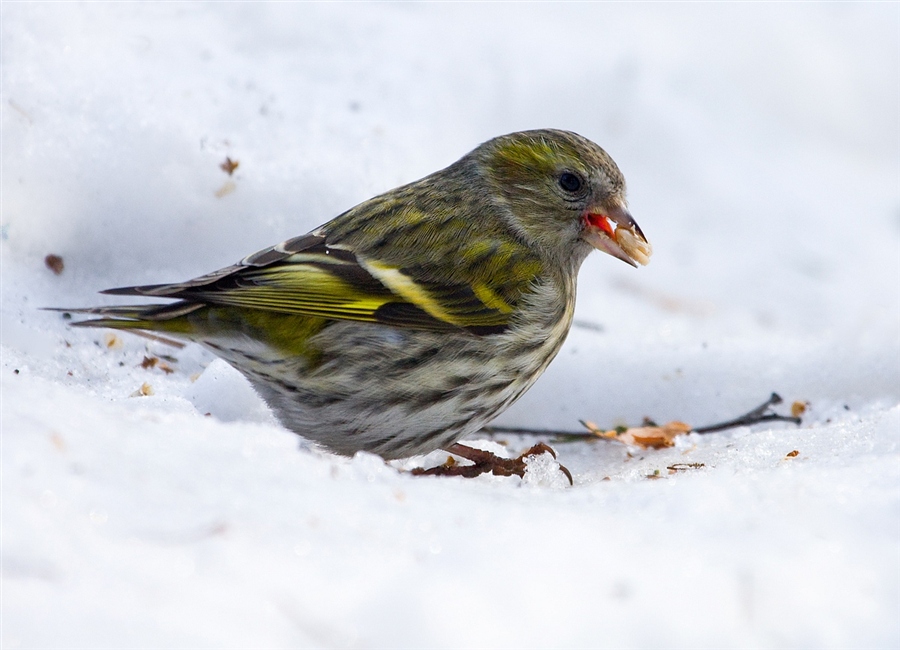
pixel 569 182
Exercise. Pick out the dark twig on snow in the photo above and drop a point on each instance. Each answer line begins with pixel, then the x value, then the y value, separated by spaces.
pixel 525 431
pixel 756 416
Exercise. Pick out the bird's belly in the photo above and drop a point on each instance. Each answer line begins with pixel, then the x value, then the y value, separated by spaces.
pixel 394 392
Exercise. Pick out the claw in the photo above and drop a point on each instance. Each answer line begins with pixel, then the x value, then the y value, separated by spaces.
pixel 485 461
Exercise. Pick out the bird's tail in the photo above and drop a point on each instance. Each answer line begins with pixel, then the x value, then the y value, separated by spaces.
pixel 159 318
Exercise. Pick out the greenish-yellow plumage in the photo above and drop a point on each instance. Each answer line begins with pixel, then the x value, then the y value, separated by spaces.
pixel 416 317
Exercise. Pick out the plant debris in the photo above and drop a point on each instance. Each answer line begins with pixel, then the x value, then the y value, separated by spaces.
pixel 649 435
pixel 229 165
pixel 793 454
pixel 652 435
pixel 156 362
pixel 112 341
pixel 683 467
pixel 757 415
pixel 145 390
pixel 54 263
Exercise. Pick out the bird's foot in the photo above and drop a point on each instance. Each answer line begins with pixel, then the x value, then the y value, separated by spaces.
pixel 486 461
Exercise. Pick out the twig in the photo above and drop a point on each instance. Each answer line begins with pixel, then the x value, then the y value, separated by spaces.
pixel 525 431
pixel 756 416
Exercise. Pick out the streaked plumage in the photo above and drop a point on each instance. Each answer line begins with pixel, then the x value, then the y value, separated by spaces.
pixel 411 320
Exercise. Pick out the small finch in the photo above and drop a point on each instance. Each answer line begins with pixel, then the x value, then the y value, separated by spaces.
pixel 412 320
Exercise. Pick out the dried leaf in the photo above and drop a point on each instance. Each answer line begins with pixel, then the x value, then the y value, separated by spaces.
pixel 799 408
pixel 793 454
pixel 229 165
pixel 112 341
pixel 54 263
pixel 156 362
pixel 654 437
pixel 145 390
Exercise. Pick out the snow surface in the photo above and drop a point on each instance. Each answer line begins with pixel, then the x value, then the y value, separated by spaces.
pixel 761 143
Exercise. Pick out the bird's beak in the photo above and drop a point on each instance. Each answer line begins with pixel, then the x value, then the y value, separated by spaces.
pixel 612 230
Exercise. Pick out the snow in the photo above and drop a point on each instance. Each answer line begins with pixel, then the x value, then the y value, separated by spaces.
pixel 761 143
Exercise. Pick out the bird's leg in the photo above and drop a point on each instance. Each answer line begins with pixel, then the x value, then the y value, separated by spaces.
pixel 486 461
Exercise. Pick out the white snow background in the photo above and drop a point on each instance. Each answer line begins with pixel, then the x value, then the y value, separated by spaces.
pixel 761 143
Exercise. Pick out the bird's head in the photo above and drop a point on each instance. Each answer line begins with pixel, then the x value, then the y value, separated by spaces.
pixel 565 195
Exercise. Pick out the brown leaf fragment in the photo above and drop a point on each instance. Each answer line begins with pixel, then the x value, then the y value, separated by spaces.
pixel 793 454
pixel 156 362
pixel 112 341
pixel 658 437
pixel 654 437
pixel 799 408
pixel 145 390
pixel 54 263
pixel 229 165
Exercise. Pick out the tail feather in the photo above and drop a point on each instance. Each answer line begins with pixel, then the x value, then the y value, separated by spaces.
pixel 135 318
pixel 135 291
pixel 138 327
pixel 140 319
pixel 116 324
pixel 177 289
pixel 155 313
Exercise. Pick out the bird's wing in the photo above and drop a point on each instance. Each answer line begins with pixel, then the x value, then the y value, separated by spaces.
pixel 306 275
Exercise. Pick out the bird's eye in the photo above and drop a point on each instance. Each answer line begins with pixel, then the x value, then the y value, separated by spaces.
pixel 569 182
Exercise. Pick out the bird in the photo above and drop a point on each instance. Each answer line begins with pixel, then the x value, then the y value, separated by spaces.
pixel 412 320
